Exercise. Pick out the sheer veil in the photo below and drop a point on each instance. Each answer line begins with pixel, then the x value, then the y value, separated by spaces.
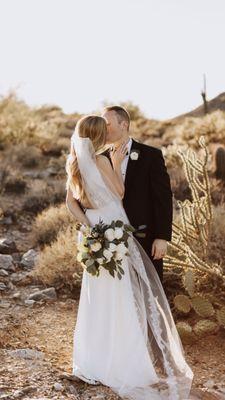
pixel 172 375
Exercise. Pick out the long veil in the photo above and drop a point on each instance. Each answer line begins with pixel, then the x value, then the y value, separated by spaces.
pixel 172 378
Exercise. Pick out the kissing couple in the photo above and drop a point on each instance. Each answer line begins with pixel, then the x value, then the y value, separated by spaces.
pixel 125 336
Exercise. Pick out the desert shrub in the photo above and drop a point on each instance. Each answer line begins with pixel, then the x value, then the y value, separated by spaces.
pixel 189 130
pixel 179 184
pixel 57 165
pixel 48 223
pixel 41 195
pixel 15 184
pixel 21 123
pixel 57 265
pixel 133 109
pixel 216 240
pixel 56 148
pixel 220 163
pixel 28 156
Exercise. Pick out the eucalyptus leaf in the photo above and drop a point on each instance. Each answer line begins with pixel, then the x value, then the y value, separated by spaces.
pixel 121 270
pixel 119 276
pixel 119 224
pixel 89 262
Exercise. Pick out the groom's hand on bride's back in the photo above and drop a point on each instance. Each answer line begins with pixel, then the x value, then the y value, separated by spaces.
pixel 159 248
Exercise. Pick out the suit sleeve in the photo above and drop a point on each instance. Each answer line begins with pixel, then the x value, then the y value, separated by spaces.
pixel 162 197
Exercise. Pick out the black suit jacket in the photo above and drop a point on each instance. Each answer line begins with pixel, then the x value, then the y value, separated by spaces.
pixel 148 198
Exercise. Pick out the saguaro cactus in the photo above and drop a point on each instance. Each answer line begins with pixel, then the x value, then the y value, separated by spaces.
pixel 220 163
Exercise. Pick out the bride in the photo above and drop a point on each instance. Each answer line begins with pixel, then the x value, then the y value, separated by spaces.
pixel 125 336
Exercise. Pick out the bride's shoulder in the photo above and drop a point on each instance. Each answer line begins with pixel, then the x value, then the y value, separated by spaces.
pixel 101 157
pixel 103 161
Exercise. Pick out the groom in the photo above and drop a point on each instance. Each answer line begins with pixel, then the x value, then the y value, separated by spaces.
pixel 148 195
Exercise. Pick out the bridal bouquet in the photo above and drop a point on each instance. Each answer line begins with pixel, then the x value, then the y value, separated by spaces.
pixel 103 245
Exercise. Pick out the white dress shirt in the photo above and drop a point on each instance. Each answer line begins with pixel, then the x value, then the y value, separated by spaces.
pixel 125 160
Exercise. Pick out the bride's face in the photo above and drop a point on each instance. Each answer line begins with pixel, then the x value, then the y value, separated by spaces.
pixel 114 132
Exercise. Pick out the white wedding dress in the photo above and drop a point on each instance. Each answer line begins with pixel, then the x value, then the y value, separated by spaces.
pixel 125 336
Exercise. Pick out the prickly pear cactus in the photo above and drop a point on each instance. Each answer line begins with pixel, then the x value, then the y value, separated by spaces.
pixel 205 327
pixel 220 315
pixel 186 333
pixel 182 303
pixel 202 306
pixel 189 282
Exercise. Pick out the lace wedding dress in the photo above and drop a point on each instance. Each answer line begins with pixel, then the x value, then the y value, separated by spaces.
pixel 125 336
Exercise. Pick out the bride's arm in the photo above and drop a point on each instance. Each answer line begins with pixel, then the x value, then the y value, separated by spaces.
pixel 74 208
pixel 113 175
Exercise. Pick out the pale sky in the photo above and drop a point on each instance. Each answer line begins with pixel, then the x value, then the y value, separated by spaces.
pixel 79 53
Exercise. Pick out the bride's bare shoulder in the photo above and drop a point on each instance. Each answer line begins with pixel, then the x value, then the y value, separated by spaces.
pixel 103 162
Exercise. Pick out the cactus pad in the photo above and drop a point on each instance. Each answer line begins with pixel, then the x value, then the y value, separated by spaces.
pixel 202 306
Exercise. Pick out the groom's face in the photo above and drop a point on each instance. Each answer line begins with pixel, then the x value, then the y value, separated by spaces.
pixel 114 129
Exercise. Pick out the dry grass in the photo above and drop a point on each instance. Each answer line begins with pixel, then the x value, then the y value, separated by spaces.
pixel 28 156
pixel 42 194
pixel 216 240
pixel 57 263
pixel 20 123
pixel 48 223
pixel 211 126
pixel 15 184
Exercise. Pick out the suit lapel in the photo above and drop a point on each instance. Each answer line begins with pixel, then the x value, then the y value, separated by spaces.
pixel 132 165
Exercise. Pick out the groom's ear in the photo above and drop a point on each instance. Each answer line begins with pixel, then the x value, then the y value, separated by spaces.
pixel 124 125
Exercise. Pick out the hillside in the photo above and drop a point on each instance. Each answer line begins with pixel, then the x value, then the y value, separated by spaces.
pixel 217 103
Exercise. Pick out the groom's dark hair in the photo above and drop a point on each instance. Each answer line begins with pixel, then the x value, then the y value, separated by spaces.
pixel 121 112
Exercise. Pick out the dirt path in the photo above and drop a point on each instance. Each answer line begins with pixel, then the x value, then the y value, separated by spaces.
pixel 48 328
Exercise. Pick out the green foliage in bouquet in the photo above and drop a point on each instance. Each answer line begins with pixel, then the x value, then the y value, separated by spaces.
pixel 104 245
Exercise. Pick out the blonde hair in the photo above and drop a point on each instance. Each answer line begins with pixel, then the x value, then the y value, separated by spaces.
pixel 95 128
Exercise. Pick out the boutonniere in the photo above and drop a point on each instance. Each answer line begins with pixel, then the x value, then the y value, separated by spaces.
pixel 134 154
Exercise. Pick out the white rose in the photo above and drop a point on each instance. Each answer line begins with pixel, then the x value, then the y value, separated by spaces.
pixel 121 248
pixel 134 155
pixel 108 254
pixel 109 234
pixel 112 247
pixel 119 256
pixel 96 246
pixel 118 233
pixel 100 260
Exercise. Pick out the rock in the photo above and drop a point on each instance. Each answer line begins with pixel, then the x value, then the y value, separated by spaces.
pixel 2 286
pixel 69 377
pixel 6 262
pixel 17 394
pixel 31 174
pixel 16 295
pixel 48 293
pixel 29 302
pixel 3 272
pixel 28 259
pixel 7 246
pixel 27 354
pixel 6 221
pixel 4 304
pixel 17 276
pixel 73 390
pixel 58 386
pixel 11 286
pixel 209 384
